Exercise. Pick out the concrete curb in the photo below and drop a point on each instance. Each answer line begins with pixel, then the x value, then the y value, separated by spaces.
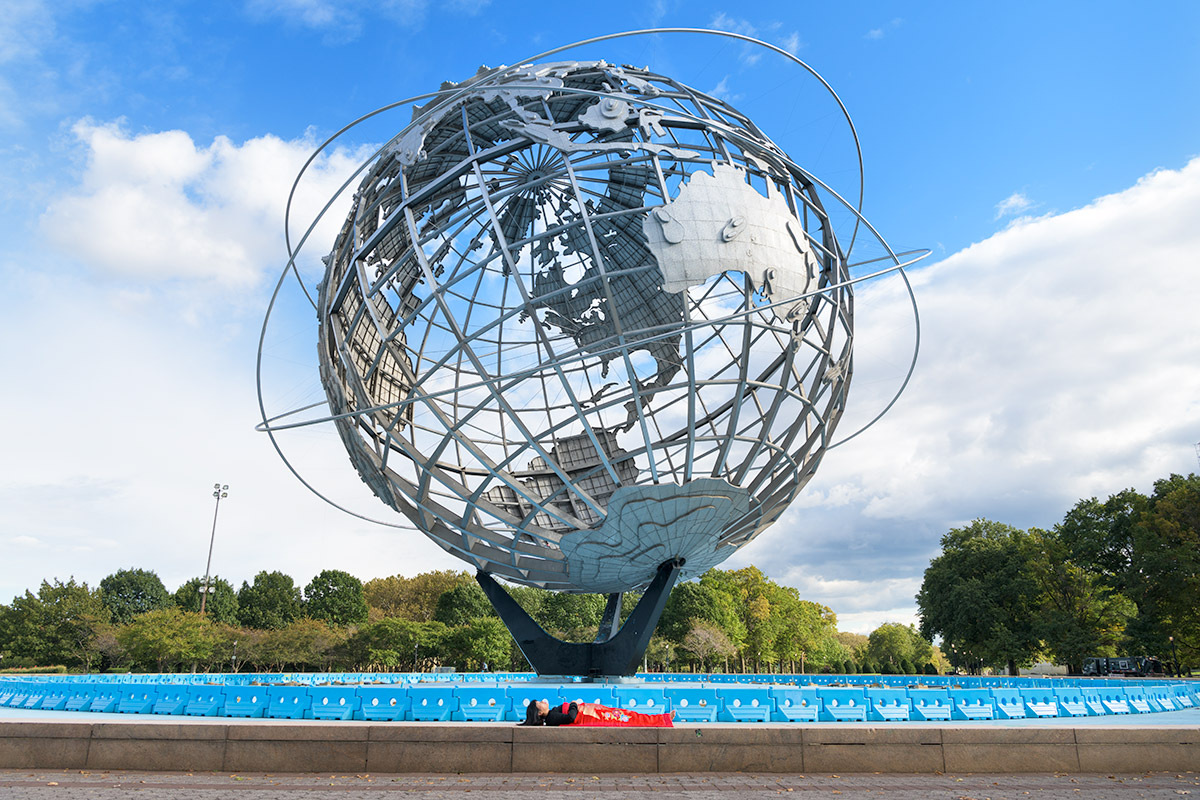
pixel 439 748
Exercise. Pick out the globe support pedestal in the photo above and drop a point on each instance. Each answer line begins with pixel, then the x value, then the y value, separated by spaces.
pixel 615 653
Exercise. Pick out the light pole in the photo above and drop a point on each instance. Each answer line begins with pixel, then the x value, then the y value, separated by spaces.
pixel 219 492
pixel 233 660
pixel 1174 656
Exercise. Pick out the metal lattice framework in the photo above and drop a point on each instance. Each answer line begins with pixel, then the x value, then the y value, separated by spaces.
pixel 582 320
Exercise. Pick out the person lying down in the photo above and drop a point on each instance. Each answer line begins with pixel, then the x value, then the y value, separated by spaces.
pixel 540 712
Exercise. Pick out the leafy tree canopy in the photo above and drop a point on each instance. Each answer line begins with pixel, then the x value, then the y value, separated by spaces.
pixel 981 597
pixel 462 604
pixel 222 603
pixel 412 598
pixel 271 602
pixel 167 639
pixel 129 592
pixel 336 597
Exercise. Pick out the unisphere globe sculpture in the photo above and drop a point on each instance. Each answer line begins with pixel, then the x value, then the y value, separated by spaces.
pixel 583 319
pixel 588 329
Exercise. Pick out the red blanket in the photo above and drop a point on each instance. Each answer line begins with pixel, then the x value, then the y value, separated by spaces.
pixel 597 716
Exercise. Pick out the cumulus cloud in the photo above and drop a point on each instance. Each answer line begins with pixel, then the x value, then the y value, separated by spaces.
pixel 345 20
pixel 1058 362
pixel 156 207
pixel 771 32
pixel 1015 203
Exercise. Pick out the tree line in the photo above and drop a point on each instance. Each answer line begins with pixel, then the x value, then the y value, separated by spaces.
pixel 1115 577
pixel 728 620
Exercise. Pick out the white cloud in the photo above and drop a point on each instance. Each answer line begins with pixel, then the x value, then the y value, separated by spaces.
pixel 771 32
pixel 875 33
pixel 1014 204
pixel 25 26
pixel 1059 361
pixel 721 90
pixel 156 207
pixel 345 20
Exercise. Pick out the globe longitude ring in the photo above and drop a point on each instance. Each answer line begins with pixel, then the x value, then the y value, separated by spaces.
pixel 583 319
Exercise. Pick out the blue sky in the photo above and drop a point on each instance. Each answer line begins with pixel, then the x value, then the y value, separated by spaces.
pixel 1044 152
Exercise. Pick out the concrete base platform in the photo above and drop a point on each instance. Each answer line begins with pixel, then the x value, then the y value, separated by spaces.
pixel 397 748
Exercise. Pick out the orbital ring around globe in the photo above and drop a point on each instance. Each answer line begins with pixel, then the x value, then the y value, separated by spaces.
pixel 583 320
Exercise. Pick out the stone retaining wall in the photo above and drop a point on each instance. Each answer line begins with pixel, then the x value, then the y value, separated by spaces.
pixel 435 748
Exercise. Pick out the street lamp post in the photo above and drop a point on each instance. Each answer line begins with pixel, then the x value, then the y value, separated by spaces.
pixel 1174 655
pixel 233 659
pixel 219 492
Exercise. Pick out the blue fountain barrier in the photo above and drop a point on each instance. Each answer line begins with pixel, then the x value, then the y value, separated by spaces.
pixel 172 700
pixel 205 700
pixel 1136 697
pixel 289 702
pixel 384 703
pixel 694 703
pixel 643 699
pixel 930 704
pixel 888 705
pixel 843 704
pixel 1009 703
pixel 482 703
pixel 246 701
pixel 138 698
pixel 972 704
pixel 335 702
pixel 745 704
pixel 105 698
pixel 796 704
pixel 432 703
pixel 502 697
pixel 1040 702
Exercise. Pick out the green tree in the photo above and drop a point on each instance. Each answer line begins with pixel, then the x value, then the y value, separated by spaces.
pixel 222 603
pixel 980 595
pixel 1100 536
pixel 706 599
pixel 753 595
pixel 336 597
pixel 412 598
pixel 1164 575
pixel 1080 613
pixel 462 604
pixel 58 625
pixel 270 603
pixel 394 643
pixel 484 641
pixel 129 592
pixel 898 647
pixel 570 615
pixel 706 642
pixel 167 638
pixel 306 644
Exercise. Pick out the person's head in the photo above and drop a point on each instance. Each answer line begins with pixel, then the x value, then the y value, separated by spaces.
pixel 535 712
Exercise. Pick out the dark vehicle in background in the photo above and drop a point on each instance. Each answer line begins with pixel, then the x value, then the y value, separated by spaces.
pixel 1128 666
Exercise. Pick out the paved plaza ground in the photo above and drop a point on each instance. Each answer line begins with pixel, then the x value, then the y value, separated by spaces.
pixel 78 785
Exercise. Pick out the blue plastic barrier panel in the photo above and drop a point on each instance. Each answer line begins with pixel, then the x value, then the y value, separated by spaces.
pixel 930 704
pixel 888 704
pixel 384 702
pixel 482 704
pixel 842 704
pixel 795 704
pixel 334 702
pixel 694 703
pixel 745 704
pixel 432 703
